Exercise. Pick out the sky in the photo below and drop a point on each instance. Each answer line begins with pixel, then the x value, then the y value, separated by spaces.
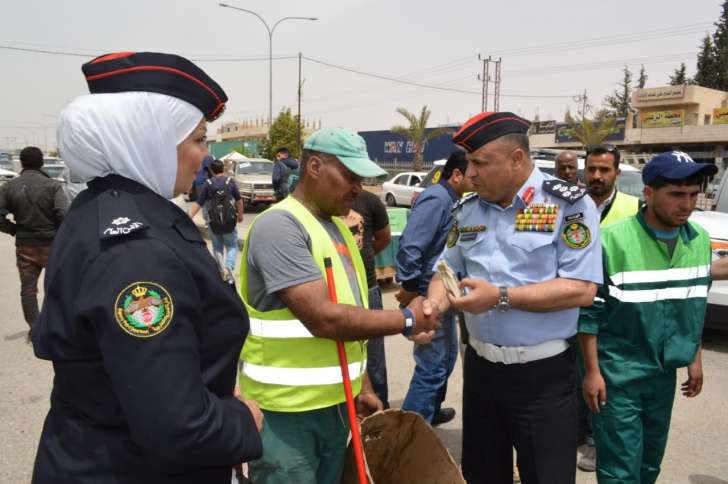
pixel 551 52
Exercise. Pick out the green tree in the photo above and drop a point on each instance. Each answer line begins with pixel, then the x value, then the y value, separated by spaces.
pixel 244 151
pixel 707 74
pixel 620 102
pixel 592 131
pixel 720 41
pixel 642 79
pixel 282 133
pixel 679 76
pixel 417 132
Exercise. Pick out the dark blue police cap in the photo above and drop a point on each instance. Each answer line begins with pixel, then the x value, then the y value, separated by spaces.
pixel 154 72
pixel 674 165
pixel 485 127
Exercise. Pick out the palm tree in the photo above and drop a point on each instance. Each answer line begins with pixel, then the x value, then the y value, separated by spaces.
pixel 592 131
pixel 417 132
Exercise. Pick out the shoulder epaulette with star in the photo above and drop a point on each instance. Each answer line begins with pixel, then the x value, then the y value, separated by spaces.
pixel 564 190
pixel 463 201
pixel 119 214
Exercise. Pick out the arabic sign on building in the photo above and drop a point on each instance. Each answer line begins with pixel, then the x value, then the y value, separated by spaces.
pixel 720 116
pixel 543 127
pixel 387 146
pixel 565 135
pixel 672 118
pixel 659 93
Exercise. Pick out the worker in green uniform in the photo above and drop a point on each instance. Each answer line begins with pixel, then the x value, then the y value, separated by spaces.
pixel 646 321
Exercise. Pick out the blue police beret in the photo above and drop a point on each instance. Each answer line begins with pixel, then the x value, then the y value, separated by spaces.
pixel 485 127
pixel 154 72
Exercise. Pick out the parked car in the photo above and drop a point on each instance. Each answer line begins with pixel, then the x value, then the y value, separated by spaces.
pixel 398 190
pixel 629 180
pixel 6 175
pixel 432 177
pixel 255 180
pixel 716 223
pixel 60 171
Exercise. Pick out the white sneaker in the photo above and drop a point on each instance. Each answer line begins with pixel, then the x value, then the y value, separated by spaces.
pixel 588 460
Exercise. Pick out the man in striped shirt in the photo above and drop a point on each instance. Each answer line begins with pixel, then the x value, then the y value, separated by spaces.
pixel 646 321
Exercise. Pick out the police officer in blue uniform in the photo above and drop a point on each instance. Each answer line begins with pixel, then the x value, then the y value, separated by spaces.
pixel 527 247
pixel 143 333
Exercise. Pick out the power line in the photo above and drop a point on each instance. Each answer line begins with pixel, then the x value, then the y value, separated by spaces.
pixel 90 56
pixel 417 84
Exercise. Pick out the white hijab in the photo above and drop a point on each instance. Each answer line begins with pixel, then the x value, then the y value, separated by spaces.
pixel 132 134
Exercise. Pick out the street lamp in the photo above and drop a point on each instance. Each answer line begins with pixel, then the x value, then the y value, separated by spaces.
pixel 270 51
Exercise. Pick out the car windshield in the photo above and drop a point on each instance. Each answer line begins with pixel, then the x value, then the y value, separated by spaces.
pixel 253 167
pixel 54 171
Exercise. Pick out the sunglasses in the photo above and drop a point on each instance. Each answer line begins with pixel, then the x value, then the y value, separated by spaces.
pixel 601 148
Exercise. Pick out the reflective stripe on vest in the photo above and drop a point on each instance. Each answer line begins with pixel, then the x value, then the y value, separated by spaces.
pixel 299 377
pixel 285 367
pixel 281 328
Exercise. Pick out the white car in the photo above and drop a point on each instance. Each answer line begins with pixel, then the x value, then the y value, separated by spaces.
pixel 716 223
pixel 6 175
pixel 629 180
pixel 399 190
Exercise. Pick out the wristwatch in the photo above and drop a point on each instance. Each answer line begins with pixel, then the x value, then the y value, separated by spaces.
pixel 409 321
pixel 504 302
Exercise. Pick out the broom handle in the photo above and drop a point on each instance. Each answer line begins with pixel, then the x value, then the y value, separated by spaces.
pixel 353 424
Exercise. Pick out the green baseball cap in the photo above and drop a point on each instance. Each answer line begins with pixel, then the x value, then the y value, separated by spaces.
pixel 348 147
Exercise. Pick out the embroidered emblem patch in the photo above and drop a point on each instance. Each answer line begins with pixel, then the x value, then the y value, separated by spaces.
pixel 577 235
pixel 143 309
pixel 452 236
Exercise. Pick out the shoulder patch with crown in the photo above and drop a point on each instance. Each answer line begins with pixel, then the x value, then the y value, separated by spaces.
pixel 143 309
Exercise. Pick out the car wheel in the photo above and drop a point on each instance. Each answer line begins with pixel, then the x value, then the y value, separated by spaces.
pixel 391 202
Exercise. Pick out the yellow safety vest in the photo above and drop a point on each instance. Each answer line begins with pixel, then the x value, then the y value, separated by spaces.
pixel 284 367
pixel 622 206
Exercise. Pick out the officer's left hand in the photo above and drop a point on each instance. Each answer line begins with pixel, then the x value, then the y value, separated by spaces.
pixel 694 384
pixel 481 296
pixel 367 403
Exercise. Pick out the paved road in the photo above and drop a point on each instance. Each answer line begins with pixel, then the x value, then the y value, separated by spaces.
pixel 696 452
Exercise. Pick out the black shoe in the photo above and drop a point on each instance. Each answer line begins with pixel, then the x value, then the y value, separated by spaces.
pixel 443 416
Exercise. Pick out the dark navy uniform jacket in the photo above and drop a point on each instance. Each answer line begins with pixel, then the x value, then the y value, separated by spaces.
pixel 144 337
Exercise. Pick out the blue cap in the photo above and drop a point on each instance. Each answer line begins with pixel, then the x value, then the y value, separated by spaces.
pixel 674 165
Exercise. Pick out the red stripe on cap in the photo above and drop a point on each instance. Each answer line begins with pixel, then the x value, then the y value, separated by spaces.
pixel 160 68
pixel 510 118
pixel 473 120
pixel 117 55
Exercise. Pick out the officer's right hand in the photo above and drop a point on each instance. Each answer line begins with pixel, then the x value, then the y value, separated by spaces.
pixel 255 412
pixel 594 391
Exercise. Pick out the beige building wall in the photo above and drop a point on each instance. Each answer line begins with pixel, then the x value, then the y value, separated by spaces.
pixel 696 103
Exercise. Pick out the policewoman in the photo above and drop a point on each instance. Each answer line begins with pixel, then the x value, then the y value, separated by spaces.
pixel 143 333
pixel 527 245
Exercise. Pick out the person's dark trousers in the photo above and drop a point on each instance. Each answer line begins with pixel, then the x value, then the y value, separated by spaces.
pixel 528 406
pixel 31 260
pixel 376 359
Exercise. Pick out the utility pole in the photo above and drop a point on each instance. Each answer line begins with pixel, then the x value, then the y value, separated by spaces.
pixel 582 98
pixel 486 80
pixel 298 118
pixel 496 94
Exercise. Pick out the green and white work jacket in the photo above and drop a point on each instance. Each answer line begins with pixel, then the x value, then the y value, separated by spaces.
pixel 284 367
pixel 648 315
